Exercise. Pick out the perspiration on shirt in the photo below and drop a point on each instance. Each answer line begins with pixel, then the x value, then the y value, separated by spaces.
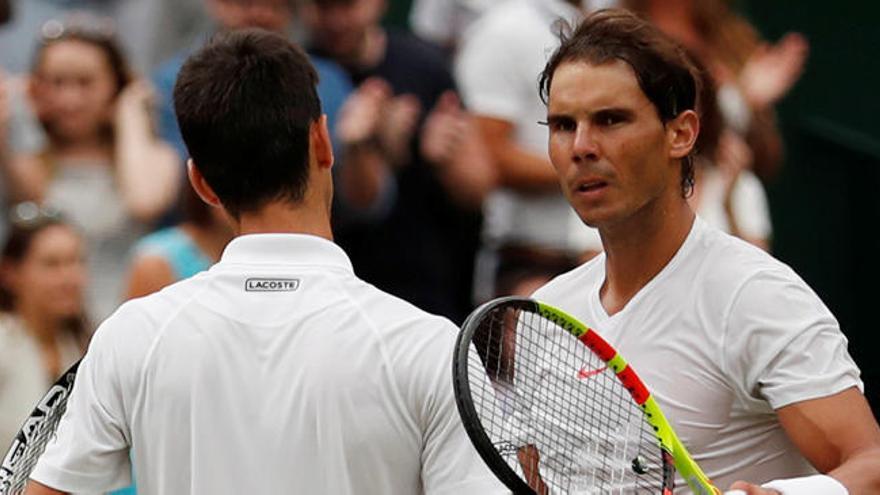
pixel 723 336
pixel 320 384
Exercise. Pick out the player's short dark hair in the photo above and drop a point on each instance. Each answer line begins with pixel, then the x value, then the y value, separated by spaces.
pixel 245 104
pixel 665 73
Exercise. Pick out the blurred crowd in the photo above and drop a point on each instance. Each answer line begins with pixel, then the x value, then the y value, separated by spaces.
pixel 444 192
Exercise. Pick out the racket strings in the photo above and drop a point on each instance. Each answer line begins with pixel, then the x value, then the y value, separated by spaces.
pixel 547 390
pixel 31 442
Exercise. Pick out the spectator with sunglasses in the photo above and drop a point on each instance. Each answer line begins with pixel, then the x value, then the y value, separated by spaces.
pixel 101 165
pixel 43 328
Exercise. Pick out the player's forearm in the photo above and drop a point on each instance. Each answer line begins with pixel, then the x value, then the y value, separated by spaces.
pixel 860 473
pixel 35 488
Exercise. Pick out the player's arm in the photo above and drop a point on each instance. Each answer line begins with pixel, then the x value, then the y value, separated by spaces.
pixel 839 436
pixel 517 167
pixel 34 488
pixel 529 460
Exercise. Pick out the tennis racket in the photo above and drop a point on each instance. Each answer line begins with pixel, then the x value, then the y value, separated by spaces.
pixel 38 429
pixel 552 408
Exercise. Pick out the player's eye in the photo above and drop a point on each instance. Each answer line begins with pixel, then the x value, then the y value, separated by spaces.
pixel 560 124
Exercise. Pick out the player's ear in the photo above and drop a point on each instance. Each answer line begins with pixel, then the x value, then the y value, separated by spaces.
pixel 200 185
pixel 320 146
pixel 682 132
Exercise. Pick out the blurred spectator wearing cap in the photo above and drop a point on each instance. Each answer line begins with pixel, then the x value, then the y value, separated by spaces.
pixel 531 233
pixel 102 165
pixel 273 15
pixel 413 172
pixel 42 322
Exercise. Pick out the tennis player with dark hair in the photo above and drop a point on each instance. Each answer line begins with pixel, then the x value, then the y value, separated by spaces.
pixel 276 371
pixel 745 359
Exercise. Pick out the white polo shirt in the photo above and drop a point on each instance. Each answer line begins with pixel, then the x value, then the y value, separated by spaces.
pixel 276 371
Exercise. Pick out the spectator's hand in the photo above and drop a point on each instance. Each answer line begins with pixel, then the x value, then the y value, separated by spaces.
pixel 445 130
pixel 732 157
pixel 749 489
pixel 451 141
pixel 361 113
pixel 397 127
pixel 4 114
pixel 772 70
pixel 136 101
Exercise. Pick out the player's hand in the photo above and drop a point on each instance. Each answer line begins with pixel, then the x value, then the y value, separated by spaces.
pixel 743 488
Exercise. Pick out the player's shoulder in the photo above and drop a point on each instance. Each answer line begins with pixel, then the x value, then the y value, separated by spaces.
pixel 727 268
pixel 142 319
pixel 563 286
pixel 386 313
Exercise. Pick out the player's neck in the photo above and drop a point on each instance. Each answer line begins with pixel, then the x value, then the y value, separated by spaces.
pixel 283 218
pixel 635 252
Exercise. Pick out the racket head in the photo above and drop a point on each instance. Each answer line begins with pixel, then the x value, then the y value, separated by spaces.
pixel 592 402
pixel 37 430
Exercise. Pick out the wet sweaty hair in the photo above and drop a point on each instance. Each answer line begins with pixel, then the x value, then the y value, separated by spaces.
pixel 665 73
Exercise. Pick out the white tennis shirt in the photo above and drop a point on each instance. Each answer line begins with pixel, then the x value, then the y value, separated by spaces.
pixel 723 336
pixel 276 371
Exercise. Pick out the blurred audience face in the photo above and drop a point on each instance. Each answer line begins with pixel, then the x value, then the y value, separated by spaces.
pixel 339 27
pixel 272 15
pixel 49 278
pixel 74 88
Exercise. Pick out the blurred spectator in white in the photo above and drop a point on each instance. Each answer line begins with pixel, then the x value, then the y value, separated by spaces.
pixel 42 323
pixel 443 21
pixel 531 233
pixel 274 15
pixel 102 165
pixel 154 29
pixel 751 75
pixel 726 193
pixel 181 251
pixel 414 171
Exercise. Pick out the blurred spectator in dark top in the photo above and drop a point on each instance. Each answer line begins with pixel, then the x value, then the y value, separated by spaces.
pixel 180 251
pixel 42 323
pixel 274 15
pixel 751 75
pixel 408 209
pixel 102 165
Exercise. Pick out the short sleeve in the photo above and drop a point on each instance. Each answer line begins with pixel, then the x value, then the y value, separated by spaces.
pixel 90 451
pixel 450 464
pixel 783 345
pixel 486 73
pixel 433 20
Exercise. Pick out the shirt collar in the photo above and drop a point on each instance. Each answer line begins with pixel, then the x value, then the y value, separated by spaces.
pixel 285 249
